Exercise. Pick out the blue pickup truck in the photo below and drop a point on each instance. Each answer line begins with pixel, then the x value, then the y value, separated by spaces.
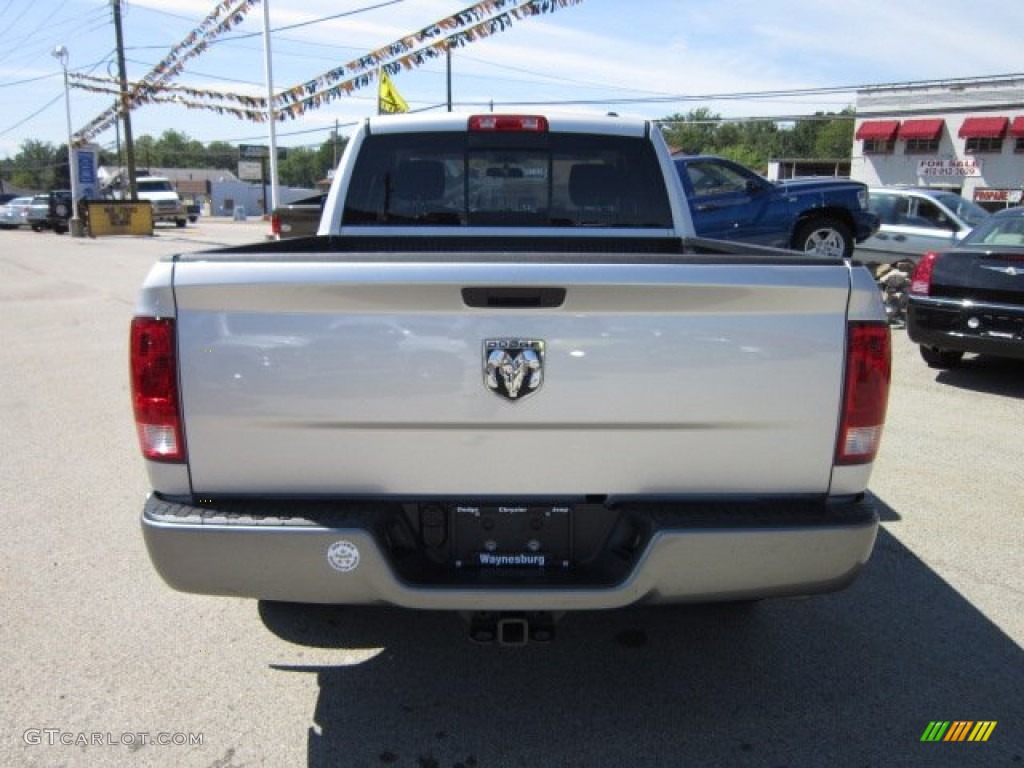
pixel 731 202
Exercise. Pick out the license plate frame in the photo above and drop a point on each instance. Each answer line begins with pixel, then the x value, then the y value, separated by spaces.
pixel 521 537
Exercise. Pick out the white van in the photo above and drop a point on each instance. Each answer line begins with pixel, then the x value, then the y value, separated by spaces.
pixel 167 206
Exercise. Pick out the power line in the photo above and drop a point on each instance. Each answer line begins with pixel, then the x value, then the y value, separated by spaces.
pixel 22 43
pixel 26 80
pixel 42 109
pixel 245 36
pixel 48 104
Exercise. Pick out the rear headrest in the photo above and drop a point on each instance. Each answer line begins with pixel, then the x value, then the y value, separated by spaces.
pixel 418 180
pixel 592 185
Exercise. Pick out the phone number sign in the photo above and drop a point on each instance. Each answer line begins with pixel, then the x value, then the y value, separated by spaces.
pixel 949 167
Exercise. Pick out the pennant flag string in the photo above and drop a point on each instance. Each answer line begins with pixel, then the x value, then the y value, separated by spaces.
pixel 476 22
pixel 300 99
pixel 110 85
pixel 224 16
pixel 454 31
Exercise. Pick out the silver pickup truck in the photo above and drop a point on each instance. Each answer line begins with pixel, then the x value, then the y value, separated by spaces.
pixel 506 380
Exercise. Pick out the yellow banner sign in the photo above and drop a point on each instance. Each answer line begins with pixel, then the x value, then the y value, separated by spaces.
pixel 119 217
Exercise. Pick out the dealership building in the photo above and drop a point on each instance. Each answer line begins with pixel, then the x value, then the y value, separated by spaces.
pixel 966 136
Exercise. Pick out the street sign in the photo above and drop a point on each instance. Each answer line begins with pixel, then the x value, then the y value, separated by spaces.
pixel 253 151
pixel 250 170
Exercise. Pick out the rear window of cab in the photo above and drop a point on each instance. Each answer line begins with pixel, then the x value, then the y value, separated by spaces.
pixel 507 179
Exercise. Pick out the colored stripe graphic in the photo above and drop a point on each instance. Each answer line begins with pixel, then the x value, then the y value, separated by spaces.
pixel 958 730
pixel 982 730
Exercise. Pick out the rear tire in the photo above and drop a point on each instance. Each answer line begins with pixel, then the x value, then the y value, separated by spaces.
pixel 941 358
pixel 826 236
pixel 179 223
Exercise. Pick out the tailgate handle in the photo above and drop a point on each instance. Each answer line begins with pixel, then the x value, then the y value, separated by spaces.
pixel 513 297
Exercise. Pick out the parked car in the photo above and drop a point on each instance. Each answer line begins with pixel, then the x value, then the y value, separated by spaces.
pixel 916 220
pixel 299 218
pixel 14 213
pixel 50 211
pixel 731 202
pixel 39 209
pixel 970 298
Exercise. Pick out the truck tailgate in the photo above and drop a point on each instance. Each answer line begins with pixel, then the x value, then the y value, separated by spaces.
pixel 329 377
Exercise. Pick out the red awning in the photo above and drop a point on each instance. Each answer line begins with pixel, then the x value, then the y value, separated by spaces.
pixel 983 128
pixel 929 129
pixel 878 130
pixel 1017 128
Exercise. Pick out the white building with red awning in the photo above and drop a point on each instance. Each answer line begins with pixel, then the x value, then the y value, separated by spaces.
pixel 963 135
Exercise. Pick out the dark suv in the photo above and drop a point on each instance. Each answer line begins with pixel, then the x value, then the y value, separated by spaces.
pixel 51 211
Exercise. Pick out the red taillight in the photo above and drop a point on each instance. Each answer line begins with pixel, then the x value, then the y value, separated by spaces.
pixel 866 393
pixel 275 224
pixel 921 280
pixel 155 389
pixel 514 123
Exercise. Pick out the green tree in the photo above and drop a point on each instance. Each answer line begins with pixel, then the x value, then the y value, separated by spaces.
pixel 802 138
pixel 61 171
pixel 145 152
pixel 34 165
pixel 220 154
pixel 762 138
pixel 175 149
pixel 330 151
pixel 826 135
pixel 304 167
pixel 6 172
pixel 747 156
pixel 726 135
pixel 692 133
pixel 300 168
pixel 835 137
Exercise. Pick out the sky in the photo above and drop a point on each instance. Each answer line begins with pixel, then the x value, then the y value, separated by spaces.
pixel 651 58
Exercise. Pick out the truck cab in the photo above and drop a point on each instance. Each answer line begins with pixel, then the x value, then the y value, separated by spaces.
pixel 159 192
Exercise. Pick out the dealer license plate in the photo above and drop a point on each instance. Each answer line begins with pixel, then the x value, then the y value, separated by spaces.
pixel 521 536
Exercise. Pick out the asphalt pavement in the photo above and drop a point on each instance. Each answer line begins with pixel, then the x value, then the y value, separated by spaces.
pixel 105 666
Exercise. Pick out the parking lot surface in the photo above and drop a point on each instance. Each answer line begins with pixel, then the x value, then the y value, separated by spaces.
pixel 105 666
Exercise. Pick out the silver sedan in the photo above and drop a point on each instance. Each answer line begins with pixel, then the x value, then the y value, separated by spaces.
pixel 14 213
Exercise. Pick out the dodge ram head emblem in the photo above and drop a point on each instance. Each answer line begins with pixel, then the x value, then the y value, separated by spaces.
pixel 513 368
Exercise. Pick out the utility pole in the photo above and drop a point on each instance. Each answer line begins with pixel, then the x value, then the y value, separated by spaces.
pixel 129 145
pixel 335 142
pixel 271 117
pixel 117 124
pixel 448 60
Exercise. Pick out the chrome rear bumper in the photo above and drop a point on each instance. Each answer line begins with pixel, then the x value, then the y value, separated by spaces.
pixel 342 557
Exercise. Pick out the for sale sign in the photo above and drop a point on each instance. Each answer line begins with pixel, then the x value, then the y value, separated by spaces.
pixel 948 166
